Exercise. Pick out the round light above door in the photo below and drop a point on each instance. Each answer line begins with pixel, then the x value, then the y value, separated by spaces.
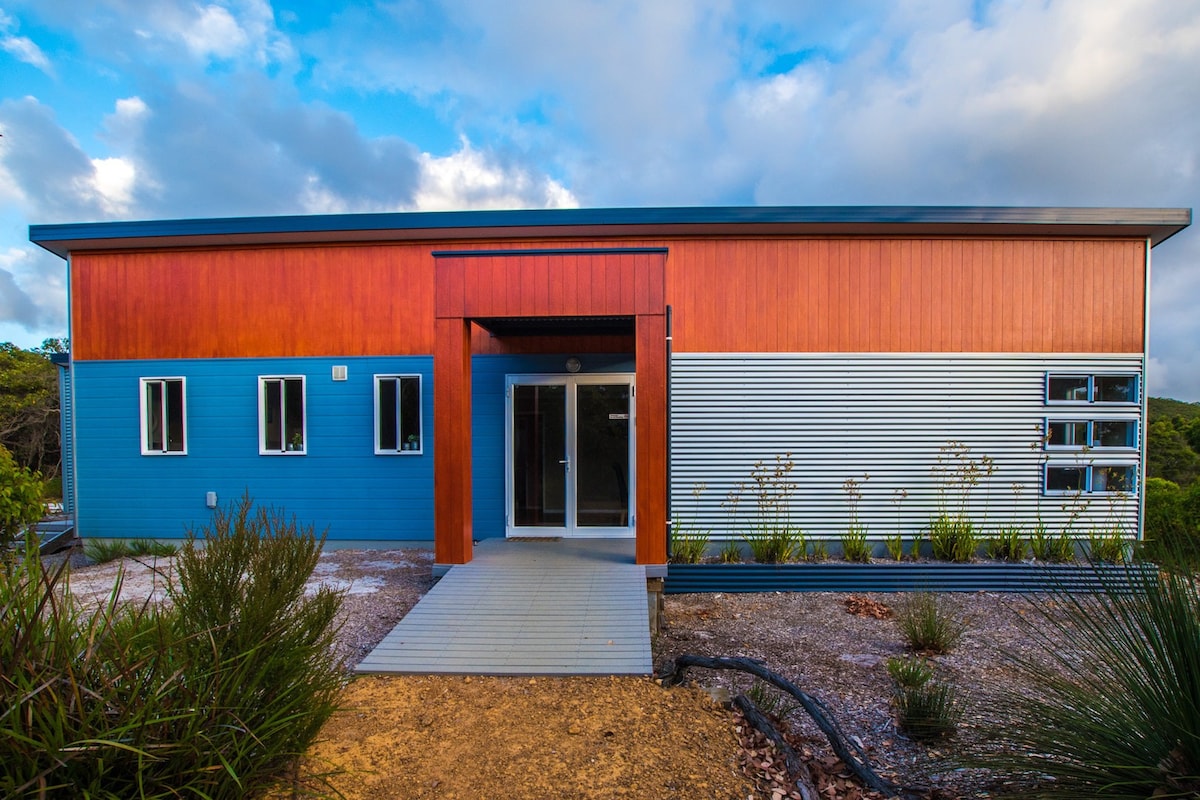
pixel 574 364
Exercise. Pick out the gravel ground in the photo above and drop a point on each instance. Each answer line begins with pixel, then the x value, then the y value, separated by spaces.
pixel 829 644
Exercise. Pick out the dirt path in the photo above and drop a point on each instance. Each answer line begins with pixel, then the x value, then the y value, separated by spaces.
pixel 554 738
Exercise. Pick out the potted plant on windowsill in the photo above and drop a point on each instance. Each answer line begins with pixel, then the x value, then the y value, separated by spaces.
pixel 297 442
pixel 413 442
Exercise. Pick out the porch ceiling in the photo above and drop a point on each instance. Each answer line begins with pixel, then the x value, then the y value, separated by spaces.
pixel 558 326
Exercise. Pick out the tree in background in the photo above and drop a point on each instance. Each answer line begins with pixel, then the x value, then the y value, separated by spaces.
pixel 29 413
pixel 20 499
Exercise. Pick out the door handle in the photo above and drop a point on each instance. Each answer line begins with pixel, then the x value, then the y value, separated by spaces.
pixel 566 461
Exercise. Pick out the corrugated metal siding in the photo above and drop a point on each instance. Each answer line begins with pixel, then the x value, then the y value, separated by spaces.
pixel 842 416
pixel 66 424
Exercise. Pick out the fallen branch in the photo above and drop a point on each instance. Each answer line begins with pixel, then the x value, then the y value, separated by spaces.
pixel 797 770
pixel 850 753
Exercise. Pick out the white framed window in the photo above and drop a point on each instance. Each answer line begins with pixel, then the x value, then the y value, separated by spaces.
pixel 398 415
pixel 163 416
pixel 1075 478
pixel 1091 434
pixel 1098 388
pixel 281 418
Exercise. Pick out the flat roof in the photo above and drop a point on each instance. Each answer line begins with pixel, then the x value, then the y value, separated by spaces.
pixel 1155 224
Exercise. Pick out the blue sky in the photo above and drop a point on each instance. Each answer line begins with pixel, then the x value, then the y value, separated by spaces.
pixel 142 109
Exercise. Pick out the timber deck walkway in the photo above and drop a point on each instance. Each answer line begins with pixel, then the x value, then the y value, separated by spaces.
pixel 571 607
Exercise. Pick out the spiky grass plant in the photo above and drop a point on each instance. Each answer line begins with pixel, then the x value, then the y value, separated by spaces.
pixel 930 623
pixel 688 547
pixel 925 708
pixel 952 538
pixel 213 695
pixel 854 545
pixel 1117 714
pixel 1052 548
pixel 100 551
pixel 730 553
pixel 776 545
pixel 895 546
pixel 1008 544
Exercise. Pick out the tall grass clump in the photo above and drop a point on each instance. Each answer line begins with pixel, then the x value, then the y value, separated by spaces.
pixel 854 540
pixel 773 539
pixel 688 542
pixel 925 708
pixel 929 623
pixel 1117 713
pixel 214 694
pixel 952 533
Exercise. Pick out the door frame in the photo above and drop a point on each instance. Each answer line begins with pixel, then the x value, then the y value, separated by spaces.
pixel 571 530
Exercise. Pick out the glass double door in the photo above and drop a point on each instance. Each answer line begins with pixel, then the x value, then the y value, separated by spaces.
pixel 570 446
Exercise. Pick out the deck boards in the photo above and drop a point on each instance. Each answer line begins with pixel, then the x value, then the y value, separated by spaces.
pixel 575 607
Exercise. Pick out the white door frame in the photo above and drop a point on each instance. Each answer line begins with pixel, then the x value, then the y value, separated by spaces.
pixel 571 529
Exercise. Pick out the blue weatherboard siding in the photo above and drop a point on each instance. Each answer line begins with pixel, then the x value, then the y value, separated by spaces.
pixel 339 483
pixel 487 423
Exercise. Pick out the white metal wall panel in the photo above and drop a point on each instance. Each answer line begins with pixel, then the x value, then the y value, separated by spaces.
pixel 66 431
pixel 886 416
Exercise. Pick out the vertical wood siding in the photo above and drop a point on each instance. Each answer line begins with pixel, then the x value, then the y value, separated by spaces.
pixel 899 295
pixel 271 302
pixel 884 416
pixel 729 295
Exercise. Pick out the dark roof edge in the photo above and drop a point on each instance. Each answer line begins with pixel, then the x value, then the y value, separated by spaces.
pixel 1158 224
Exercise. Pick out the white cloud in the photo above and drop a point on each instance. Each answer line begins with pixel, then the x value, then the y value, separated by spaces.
pixel 113 182
pixel 22 48
pixel 468 180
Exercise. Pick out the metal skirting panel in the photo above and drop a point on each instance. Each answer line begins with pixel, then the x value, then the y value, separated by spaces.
pixel 66 405
pixel 888 417
pixel 1025 578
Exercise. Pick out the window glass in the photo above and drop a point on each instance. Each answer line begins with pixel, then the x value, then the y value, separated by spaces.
pixel 163 416
pixel 1067 388
pixel 1115 433
pixel 1116 389
pixel 1066 479
pixel 389 429
pixel 282 422
pixel 1112 479
pixel 397 414
pixel 1067 433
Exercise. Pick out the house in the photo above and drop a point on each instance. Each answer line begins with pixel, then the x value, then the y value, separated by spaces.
pixel 446 377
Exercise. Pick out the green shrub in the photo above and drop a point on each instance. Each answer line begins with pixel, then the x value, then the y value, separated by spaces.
pixel 817 551
pixel 1118 675
pixel 926 712
pixel 776 545
pixel 1049 547
pixel 731 552
pixel 1109 546
pixel 855 546
pixel 212 695
pixel 1007 545
pixel 909 673
pixel 952 538
pixel 895 546
pixel 688 547
pixel 101 551
pixel 1172 523
pixel 929 623
pixel 20 499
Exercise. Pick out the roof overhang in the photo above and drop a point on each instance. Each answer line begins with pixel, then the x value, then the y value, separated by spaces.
pixel 1155 224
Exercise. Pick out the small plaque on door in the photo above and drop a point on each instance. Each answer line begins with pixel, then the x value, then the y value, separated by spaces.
pixel 618 416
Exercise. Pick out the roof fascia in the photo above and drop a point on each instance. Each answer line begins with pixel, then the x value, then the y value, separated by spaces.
pixel 1155 224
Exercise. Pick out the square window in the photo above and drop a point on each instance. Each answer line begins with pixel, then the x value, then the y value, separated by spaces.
pixel 1066 434
pixel 1116 389
pixel 281 418
pixel 163 414
pixel 1066 479
pixel 398 414
pixel 1068 388
pixel 1113 478
pixel 1114 433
